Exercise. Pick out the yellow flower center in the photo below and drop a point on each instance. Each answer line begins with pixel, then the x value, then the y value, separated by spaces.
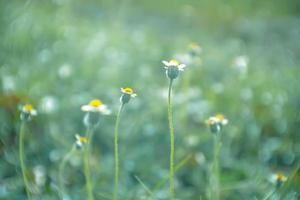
pixel 28 107
pixel 220 117
pixel 83 140
pixel 96 103
pixel 128 90
pixel 194 45
pixel 174 62
pixel 281 178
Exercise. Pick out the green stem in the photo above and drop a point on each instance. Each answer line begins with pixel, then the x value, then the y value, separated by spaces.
pixel 61 172
pixel 21 155
pixel 215 171
pixel 172 148
pixel 116 146
pixel 269 194
pixel 87 170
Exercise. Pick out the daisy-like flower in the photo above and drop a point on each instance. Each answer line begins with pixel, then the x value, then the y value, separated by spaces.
pixel 93 111
pixel 127 94
pixel 80 141
pixel 173 67
pixel 27 111
pixel 278 179
pixel 96 106
pixel 194 49
pixel 216 123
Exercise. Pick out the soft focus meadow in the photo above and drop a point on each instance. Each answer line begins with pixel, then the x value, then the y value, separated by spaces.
pixel 242 60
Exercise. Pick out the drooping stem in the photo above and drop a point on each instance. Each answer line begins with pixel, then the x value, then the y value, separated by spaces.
pixel 215 171
pixel 61 172
pixel 21 155
pixel 172 141
pixel 116 149
pixel 87 170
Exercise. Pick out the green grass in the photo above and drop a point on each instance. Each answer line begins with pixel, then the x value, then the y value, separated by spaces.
pixel 108 45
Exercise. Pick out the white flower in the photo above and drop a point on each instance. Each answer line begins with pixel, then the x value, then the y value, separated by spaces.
pixel 96 106
pixel 28 109
pixel 174 63
pixel 80 140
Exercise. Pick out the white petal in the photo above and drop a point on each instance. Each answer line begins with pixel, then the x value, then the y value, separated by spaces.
pixel 166 63
pixel 133 95
pixel 33 112
pixel 181 67
pixel 86 108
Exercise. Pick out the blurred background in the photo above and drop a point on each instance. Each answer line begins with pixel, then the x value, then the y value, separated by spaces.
pixel 243 61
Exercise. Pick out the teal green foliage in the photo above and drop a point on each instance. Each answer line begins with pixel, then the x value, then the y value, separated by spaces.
pixel 60 54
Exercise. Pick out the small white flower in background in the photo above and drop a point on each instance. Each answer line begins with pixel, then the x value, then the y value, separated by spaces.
pixel 80 141
pixel 49 104
pixel 27 111
pixel 96 106
pixel 8 83
pixel 65 71
pixel 216 123
pixel 241 64
pixel 278 179
pixel 173 67
pixel 194 49
pixel 127 94
pixel 39 175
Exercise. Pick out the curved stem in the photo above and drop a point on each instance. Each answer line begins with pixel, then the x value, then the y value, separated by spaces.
pixel 116 146
pixel 21 155
pixel 61 172
pixel 87 170
pixel 172 141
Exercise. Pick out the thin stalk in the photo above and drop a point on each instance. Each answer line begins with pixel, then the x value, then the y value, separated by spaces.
pixel 172 141
pixel 116 148
pixel 269 194
pixel 215 171
pixel 21 155
pixel 176 168
pixel 61 172
pixel 87 170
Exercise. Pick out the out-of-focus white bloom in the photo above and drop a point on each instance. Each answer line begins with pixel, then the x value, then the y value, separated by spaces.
pixel 216 123
pixel 80 140
pixel 96 106
pixel 8 83
pixel 49 104
pixel 241 64
pixel 39 175
pixel 278 179
pixel 65 71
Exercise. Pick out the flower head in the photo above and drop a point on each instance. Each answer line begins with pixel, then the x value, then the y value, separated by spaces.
pixel 27 111
pixel 173 67
pixel 80 140
pixel 278 179
pixel 216 123
pixel 96 106
pixel 127 94
pixel 194 49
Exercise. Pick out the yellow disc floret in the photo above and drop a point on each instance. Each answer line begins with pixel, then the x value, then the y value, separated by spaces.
pixel 174 62
pixel 281 178
pixel 220 117
pixel 28 108
pixel 82 140
pixel 96 103
pixel 127 90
